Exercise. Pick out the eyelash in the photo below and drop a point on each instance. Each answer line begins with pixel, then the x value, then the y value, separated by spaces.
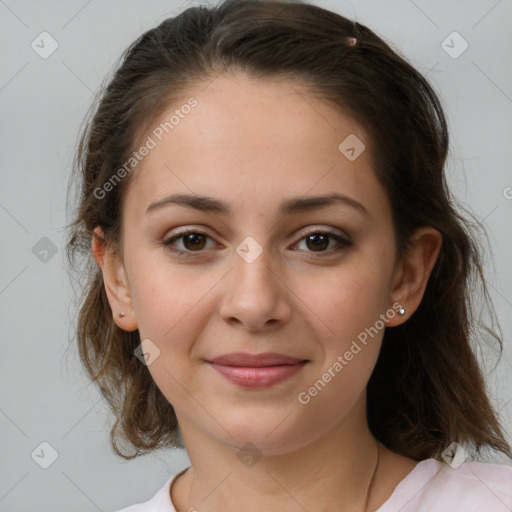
pixel 167 243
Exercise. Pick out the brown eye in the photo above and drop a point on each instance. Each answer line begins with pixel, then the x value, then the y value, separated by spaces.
pixel 194 241
pixel 317 241
pixel 188 242
pixel 321 242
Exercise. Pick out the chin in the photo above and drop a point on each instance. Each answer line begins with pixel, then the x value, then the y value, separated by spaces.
pixel 267 434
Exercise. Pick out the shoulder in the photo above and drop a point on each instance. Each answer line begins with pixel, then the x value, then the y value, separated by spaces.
pixel 436 486
pixel 477 476
pixel 160 502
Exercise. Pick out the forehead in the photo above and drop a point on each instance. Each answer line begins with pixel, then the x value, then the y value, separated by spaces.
pixel 248 138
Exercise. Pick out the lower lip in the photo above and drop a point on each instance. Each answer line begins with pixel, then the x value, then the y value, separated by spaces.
pixel 257 377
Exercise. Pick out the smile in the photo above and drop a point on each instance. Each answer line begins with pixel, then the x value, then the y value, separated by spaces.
pixel 257 377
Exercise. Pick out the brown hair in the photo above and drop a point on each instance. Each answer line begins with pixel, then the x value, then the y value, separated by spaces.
pixel 427 389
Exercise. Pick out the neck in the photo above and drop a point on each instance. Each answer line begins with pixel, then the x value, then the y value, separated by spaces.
pixel 331 473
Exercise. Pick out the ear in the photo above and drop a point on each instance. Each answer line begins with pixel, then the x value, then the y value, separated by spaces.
pixel 411 274
pixel 116 283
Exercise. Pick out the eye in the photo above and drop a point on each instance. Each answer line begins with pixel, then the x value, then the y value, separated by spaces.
pixel 195 241
pixel 319 242
pixel 191 240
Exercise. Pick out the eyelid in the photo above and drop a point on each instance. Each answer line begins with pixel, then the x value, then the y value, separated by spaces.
pixel 318 228
pixel 187 230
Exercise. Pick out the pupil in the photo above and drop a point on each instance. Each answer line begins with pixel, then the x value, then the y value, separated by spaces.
pixel 195 241
pixel 319 241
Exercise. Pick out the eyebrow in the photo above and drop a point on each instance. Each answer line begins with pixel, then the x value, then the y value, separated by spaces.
pixel 288 207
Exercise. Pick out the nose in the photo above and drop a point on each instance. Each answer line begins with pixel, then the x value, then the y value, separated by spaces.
pixel 255 296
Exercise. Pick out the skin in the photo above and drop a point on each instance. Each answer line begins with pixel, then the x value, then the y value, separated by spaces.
pixel 254 144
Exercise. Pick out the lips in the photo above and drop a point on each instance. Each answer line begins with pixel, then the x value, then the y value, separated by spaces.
pixel 256 370
pixel 255 360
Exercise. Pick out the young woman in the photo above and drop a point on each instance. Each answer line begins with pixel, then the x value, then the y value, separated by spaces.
pixel 281 282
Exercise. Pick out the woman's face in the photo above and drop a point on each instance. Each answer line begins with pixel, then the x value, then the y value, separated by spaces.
pixel 262 275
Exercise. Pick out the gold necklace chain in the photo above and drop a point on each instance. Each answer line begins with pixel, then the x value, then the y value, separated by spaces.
pixel 368 489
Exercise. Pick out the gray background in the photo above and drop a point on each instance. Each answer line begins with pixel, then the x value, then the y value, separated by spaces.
pixel 44 395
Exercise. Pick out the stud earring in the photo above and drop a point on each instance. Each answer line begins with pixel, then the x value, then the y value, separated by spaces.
pixel 401 311
pixel 121 315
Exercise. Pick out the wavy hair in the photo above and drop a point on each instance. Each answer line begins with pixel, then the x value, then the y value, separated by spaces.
pixel 427 389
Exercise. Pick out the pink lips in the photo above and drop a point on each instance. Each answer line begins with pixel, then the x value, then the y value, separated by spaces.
pixel 256 370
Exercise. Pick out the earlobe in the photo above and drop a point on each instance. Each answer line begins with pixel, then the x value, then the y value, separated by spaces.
pixel 411 277
pixel 115 281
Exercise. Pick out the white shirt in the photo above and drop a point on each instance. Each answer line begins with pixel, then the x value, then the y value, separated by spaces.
pixel 432 486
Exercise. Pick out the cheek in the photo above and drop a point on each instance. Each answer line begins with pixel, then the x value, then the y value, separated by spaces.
pixel 168 299
pixel 346 300
pixel 171 310
pixel 347 311
pixel 347 306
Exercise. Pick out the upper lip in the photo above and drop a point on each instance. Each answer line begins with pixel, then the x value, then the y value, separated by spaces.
pixel 255 360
